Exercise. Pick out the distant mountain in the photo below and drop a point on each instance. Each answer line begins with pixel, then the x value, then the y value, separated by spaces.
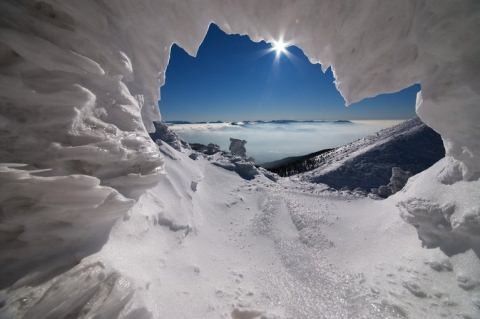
pixel 367 163
pixel 261 122
pixel 283 121
pixel 342 122
pixel 308 121
pixel 178 122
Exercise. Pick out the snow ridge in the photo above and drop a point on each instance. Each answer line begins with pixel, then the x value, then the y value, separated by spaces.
pixel 367 163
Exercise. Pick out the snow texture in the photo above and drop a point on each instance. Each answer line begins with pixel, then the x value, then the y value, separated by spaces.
pixel 371 162
pixel 49 223
pixel 232 247
pixel 79 85
pixel 446 216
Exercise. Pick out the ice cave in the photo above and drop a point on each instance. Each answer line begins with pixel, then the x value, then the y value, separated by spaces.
pixel 99 221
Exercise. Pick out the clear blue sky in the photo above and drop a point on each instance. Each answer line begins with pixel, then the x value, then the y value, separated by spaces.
pixel 233 79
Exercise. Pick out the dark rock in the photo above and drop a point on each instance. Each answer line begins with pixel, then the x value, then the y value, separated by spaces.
pixel 163 133
pixel 237 147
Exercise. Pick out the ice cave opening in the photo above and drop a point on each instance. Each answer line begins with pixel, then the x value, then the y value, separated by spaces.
pixel 96 220
pixel 277 101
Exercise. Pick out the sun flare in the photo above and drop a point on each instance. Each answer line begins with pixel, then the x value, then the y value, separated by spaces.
pixel 279 46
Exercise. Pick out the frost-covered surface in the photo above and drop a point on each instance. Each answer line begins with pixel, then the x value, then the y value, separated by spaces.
pixel 209 149
pixel 79 84
pixel 164 134
pixel 237 147
pixel 49 224
pixel 234 160
pixel 397 181
pixel 229 247
pixel 367 163
pixel 451 223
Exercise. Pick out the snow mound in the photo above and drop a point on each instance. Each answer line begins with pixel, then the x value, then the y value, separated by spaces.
pixel 450 221
pixel 369 162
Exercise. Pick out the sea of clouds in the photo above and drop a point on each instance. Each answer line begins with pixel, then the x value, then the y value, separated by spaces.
pixel 269 141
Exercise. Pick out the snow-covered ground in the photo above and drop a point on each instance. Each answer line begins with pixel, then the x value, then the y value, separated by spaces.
pixel 206 243
pixel 367 162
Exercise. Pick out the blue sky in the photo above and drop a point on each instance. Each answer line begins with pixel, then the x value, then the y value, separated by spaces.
pixel 233 79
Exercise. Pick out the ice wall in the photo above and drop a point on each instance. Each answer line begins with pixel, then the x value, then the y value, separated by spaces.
pixel 79 84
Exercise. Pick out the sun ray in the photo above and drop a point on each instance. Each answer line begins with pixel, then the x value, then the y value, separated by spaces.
pixel 280 47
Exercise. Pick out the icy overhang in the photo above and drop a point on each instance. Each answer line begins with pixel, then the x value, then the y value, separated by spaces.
pixel 373 47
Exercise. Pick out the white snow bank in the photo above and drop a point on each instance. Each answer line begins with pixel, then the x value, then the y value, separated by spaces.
pixel 446 216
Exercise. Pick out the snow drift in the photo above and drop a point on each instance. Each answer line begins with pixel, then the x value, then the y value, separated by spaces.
pixel 79 84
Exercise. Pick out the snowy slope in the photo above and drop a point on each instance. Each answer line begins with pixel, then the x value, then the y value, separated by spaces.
pixel 368 162
pixel 232 248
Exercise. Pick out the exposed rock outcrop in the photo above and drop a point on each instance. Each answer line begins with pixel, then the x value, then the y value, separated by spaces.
pixel 163 133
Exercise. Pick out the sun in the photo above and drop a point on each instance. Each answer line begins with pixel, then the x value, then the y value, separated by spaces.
pixel 279 46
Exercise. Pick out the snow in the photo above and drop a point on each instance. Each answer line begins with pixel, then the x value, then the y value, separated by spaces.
pixel 450 223
pixel 50 223
pixel 121 48
pixel 370 162
pixel 235 248
pixel 79 85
